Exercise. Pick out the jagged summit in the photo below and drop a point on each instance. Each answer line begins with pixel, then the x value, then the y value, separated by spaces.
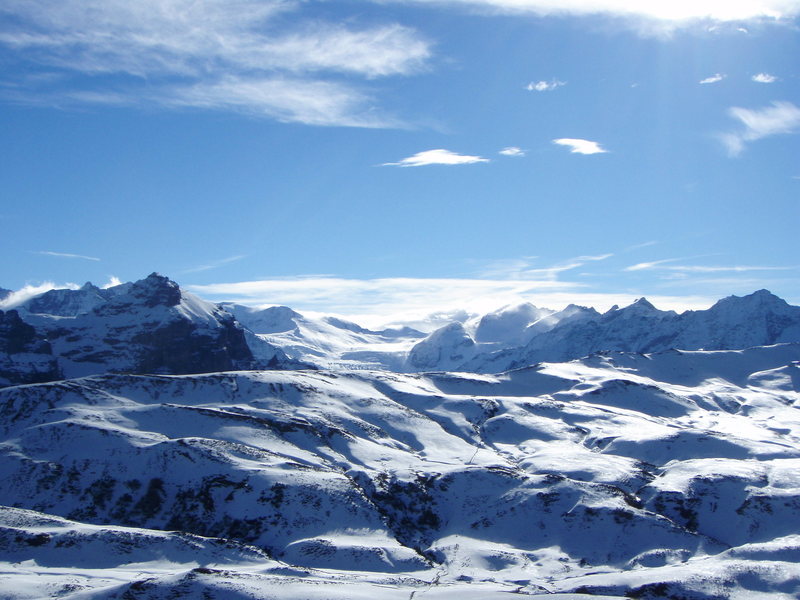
pixel 86 326
pixel 644 303
pixel 148 326
pixel 156 289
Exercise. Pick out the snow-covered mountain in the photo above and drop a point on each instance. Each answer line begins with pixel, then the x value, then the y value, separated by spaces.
pixel 152 326
pixel 25 354
pixel 735 322
pixel 327 342
pixel 636 453
pixel 511 325
pixel 149 326
pixel 644 476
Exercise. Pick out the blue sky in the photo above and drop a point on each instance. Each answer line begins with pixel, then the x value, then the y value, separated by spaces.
pixel 398 156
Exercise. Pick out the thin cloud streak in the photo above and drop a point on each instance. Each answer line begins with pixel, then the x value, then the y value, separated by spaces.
pixel 67 255
pixel 439 156
pixel 642 266
pixel 524 268
pixel 642 245
pixel 215 264
pixel 776 119
pixel 663 265
pixel 713 79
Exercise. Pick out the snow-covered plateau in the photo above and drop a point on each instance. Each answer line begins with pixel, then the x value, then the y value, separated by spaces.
pixel 154 445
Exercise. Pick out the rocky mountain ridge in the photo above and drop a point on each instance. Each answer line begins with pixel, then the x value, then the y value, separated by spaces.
pixel 149 326
pixel 152 326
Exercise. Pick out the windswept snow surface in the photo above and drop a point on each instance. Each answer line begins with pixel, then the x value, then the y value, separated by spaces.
pixel 327 342
pixel 666 475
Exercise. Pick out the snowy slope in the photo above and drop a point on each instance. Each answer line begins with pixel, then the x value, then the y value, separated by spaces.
pixel 638 475
pixel 152 326
pixel 327 342
pixel 732 323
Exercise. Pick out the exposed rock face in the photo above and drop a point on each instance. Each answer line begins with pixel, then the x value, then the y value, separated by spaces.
pixel 149 326
pixel 152 328
pixel 25 354
pixel 67 303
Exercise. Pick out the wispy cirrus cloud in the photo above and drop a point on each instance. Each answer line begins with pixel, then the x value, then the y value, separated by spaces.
pixel 642 266
pixel 579 146
pixel 527 267
pixel 66 255
pixel 242 55
pixel 439 156
pixel 764 78
pixel 717 77
pixel 215 264
pixel 776 119
pixel 544 86
pixel 666 265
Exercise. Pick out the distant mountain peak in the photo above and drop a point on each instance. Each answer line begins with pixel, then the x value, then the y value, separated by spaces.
pixel 155 290
pixel 759 298
pixel 89 287
pixel 644 303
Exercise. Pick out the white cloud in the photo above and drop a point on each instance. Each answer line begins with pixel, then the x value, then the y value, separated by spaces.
pixel 641 245
pixel 764 78
pixel 677 10
pixel 578 146
pixel 289 100
pixel 436 157
pixel 67 255
pixel 713 79
pixel 686 269
pixel 779 118
pixel 112 281
pixel 642 266
pixel 512 151
pixel 30 291
pixel 544 86
pixel 376 302
pixel 237 55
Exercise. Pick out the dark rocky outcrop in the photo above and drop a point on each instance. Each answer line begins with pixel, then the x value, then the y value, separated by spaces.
pixel 25 354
